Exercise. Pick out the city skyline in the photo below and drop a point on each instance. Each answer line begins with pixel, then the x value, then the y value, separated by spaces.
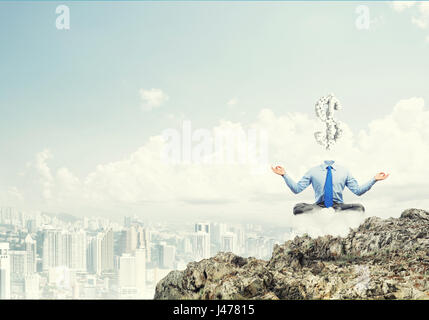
pixel 44 256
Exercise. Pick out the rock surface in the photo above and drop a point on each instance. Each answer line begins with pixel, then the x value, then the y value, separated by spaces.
pixel 381 259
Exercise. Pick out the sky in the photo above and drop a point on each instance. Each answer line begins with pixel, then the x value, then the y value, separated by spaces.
pixel 83 110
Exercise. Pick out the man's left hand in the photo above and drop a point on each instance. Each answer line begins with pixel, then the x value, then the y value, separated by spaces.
pixel 381 176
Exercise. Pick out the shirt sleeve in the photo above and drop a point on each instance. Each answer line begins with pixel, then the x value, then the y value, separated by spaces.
pixel 354 186
pixel 301 185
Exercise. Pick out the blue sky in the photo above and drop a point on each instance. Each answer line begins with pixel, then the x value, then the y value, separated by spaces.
pixel 76 91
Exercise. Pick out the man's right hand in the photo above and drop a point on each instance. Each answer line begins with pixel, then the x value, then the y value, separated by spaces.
pixel 278 170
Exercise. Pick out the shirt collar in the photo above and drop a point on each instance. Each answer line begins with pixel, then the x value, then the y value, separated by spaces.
pixel 327 163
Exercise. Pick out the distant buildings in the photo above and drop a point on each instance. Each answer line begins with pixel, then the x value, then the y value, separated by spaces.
pixel 31 250
pixel 4 271
pixel 10 216
pixel 201 241
pixel 132 274
pixel 45 256
pixel 133 237
pixel 100 252
pixel 166 255
pixel 32 286
pixel 229 242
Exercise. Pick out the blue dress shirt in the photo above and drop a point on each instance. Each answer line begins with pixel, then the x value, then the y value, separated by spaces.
pixel 341 178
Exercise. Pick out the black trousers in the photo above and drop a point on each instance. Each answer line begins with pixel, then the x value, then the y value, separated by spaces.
pixel 307 207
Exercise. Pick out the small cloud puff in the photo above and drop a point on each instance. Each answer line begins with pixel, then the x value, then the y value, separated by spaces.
pixel 152 98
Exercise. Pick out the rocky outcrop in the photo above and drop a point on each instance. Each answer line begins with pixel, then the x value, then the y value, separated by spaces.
pixel 381 259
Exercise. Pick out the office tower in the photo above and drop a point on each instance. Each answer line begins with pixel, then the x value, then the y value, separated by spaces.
pixel 77 251
pixel 31 225
pixel 201 245
pixel 251 246
pixel 4 271
pixel 85 223
pixel 93 254
pixel 202 227
pixel 52 249
pixel 127 276
pixel 31 286
pixel 229 242
pixel 135 237
pixel 240 239
pixel 127 222
pixel 129 240
pixel 144 242
pixel 216 232
pixel 31 249
pixel 201 241
pixel 18 264
pixel 100 252
pixel 270 246
pixel 166 255
pixel 140 256
pixel 107 250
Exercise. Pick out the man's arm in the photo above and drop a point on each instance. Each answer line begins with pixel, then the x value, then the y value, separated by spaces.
pixel 293 186
pixel 354 187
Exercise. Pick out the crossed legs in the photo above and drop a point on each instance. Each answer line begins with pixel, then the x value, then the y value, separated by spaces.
pixel 307 207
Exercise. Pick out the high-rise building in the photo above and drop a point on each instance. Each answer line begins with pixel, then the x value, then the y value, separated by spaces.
pixel 216 232
pixel 18 264
pixel 100 252
pixel 201 245
pixel 127 222
pixel 135 237
pixel 77 249
pixel 31 286
pixel 140 256
pixel 201 241
pixel 240 239
pixel 203 227
pixel 31 250
pixel 31 225
pixel 11 216
pixel 129 239
pixel 52 249
pixel 4 271
pixel 127 276
pixel 64 248
pixel 107 250
pixel 144 242
pixel 229 242
pixel 166 255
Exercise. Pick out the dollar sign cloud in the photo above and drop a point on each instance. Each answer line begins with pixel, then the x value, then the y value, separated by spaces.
pixel 325 109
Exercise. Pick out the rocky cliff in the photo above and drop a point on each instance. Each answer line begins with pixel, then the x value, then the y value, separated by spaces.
pixel 381 259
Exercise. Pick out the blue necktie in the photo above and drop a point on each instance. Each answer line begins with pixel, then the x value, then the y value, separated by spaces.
pixel 328 188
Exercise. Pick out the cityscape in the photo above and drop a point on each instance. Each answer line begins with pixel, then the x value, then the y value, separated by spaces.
pixel 59 256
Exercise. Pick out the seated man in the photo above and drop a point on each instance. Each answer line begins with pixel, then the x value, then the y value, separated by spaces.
pixel 328 181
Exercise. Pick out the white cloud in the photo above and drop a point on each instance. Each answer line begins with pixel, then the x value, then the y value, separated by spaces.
pixel 152 98
pixel 232 102
pixel 424 8
pixel 422 20
pixel 396 143
pixel 419 22
pixel 402 5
